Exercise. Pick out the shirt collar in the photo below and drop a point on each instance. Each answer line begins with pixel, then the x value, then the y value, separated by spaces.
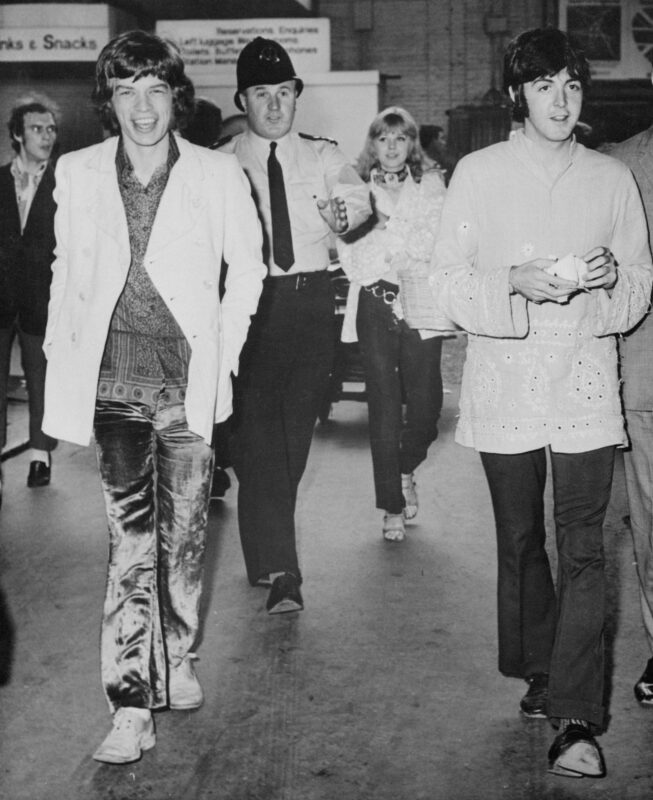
pixel 261 145
pixel 535 150
pixel 19 168
pixel 125 167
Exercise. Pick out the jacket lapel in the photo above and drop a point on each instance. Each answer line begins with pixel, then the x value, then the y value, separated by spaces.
pixel 105 208
pixel 181 203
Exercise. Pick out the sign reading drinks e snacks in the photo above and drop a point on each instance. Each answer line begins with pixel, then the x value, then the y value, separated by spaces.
pixel 52 43
pixel 213 45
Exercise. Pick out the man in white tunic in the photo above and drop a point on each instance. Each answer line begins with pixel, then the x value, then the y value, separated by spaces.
pixel 543 257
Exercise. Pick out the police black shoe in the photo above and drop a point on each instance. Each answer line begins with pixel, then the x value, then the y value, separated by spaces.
pixel 533 703
pixel 220 482
pixel 644 687
pixel 39 474
pixel 284 595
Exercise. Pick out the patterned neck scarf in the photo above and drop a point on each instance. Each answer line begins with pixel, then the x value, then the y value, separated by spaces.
pixel 384 178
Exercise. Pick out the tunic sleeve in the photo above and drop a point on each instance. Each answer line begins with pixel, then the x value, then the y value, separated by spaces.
pixel 631 295
pixel 478 300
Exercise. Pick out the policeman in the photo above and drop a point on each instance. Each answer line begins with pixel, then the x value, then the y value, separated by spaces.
pixel 305 191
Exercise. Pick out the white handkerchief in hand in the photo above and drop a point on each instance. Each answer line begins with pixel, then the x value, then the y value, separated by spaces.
pixel 571 268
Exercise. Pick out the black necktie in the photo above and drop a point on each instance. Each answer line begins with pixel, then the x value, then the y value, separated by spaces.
pixel 282 250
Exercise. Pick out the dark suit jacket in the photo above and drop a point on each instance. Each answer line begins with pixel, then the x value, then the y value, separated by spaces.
pixel 25 261
pixel 636 348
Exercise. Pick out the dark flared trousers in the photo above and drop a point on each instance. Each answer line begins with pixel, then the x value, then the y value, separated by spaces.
pixel 400 367
pixel 34 364
pixel 284 375
pixel 536 633
pixel 156 477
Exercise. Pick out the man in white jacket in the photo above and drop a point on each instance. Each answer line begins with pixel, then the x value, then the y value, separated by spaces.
pixel 140 351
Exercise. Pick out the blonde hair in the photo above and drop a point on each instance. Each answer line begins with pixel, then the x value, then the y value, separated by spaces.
pixel 394 118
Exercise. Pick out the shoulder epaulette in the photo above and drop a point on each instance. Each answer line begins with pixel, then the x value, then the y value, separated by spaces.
pixel 221 142
pixel 318 138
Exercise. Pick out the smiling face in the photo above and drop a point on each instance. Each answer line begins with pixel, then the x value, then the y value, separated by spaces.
pixel 392 148
pixel 38 138
pixel 554 105
pixel 270 108
pixel 144 111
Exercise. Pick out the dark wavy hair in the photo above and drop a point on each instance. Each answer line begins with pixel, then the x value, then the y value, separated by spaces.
pixel 398 119
pixel 539 53
pixel 135 54
pixel 16 122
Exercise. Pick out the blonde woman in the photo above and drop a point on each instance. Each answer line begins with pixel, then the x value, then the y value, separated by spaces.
pixel 402 365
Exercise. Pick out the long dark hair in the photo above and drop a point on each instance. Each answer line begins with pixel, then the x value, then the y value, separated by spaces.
pixel 135 54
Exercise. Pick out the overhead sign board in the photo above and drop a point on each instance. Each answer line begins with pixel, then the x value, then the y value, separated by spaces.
pixel 214 45
pixel 52 43
pixel 57 31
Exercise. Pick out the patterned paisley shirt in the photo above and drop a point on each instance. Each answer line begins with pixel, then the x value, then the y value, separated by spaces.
pixel 146 352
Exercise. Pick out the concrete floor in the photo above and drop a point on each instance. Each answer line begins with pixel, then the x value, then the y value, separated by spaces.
pixel 384 688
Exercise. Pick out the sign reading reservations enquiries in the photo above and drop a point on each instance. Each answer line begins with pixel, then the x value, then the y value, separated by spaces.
pixel 213 46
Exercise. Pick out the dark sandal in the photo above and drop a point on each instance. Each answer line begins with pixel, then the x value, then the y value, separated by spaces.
pixel 575 754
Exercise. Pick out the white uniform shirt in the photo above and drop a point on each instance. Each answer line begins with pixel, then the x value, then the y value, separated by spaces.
pixel 313 169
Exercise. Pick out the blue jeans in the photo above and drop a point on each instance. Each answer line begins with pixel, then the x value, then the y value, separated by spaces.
pixel 536 634
pixel 400 367
pixel 156 477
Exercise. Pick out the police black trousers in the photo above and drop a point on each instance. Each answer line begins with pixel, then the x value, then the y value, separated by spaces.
pixel 283 377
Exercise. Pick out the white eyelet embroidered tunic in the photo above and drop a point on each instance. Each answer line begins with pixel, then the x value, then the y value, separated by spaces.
pixel 539 374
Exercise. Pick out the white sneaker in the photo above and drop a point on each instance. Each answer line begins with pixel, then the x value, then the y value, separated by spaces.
pixel 132 733
pixel 409 491
pixel 393 527
pixel 184 690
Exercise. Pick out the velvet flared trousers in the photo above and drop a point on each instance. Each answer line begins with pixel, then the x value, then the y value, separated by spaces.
pixel 156 479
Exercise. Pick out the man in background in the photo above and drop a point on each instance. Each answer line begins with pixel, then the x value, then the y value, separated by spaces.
pixel 636 352
pixel 26 254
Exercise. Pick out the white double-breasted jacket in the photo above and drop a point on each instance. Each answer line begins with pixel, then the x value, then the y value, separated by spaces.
pixel 206 214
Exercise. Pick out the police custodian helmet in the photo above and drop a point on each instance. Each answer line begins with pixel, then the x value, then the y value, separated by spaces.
pixel 261 62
